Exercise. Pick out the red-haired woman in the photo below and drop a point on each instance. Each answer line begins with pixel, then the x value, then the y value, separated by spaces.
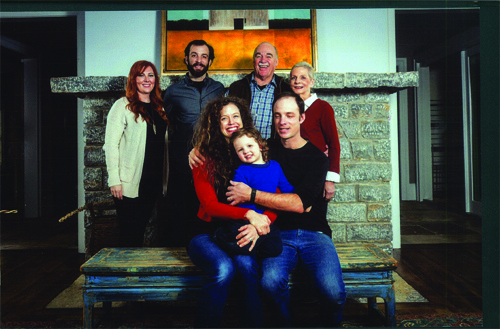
pixel 135 147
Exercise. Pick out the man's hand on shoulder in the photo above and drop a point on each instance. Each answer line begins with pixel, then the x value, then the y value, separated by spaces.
pixel 195 159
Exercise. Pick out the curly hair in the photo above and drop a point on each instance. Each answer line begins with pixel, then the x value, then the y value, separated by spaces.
pixel 255 134
pixel 213 145
pixel 135 105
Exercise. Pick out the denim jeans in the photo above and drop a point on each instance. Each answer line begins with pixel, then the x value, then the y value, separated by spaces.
pixel 221 269
pixel 318 256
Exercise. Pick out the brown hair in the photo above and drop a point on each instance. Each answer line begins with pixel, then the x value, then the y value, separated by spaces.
pixel 135 105
pixel 252 132
pixel 288 94
pixel 211 142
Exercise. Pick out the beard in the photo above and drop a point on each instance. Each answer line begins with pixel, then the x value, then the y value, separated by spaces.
pixel 197 73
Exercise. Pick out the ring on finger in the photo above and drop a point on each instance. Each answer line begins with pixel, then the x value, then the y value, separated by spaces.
pixel 250 239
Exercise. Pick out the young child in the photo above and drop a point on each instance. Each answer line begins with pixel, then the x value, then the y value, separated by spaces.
pixel 258 173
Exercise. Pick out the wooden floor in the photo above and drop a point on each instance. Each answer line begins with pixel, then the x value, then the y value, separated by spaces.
pixel 37 263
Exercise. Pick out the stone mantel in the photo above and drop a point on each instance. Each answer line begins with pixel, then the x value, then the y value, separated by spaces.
pixel 386 82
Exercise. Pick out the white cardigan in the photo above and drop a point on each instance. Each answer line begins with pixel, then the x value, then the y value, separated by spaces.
pixel 124 146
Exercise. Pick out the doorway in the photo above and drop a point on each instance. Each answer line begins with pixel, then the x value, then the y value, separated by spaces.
pixel 38 128
pixel 432 129
pixel 472 129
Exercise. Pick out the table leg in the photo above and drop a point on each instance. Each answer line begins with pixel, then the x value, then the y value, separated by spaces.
pixel 390 308
pixel 88 309
pixel 372 303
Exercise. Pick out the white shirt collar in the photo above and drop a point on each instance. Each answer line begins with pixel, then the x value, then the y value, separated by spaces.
pixel 308 102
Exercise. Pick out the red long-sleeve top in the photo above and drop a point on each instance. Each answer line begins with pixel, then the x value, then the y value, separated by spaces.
pixel 210 207
pixel 320 128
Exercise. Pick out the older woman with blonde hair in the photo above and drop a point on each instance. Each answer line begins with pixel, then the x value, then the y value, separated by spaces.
pixel 136 156
pixel 319 127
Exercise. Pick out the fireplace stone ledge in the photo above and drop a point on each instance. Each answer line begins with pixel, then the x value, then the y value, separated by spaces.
pixel 383 82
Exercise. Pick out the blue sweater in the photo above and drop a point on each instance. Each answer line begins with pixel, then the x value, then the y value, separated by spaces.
pixel 263 177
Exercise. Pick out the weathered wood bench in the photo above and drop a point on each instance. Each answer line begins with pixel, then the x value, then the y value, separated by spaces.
pixel 165 274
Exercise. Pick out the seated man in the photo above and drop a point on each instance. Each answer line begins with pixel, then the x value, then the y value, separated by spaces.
pixel 306 235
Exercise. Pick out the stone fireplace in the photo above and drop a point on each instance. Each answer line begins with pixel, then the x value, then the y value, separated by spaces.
pixel 361 210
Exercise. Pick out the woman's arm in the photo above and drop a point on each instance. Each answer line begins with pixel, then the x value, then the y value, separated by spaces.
pixel 213 208
pixel 329 128
pixel 115 127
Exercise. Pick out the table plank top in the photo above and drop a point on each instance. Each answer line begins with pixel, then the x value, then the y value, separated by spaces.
pixel 175 261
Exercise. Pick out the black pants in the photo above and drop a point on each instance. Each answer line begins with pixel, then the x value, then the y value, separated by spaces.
pixel 181 210
pixel 134 213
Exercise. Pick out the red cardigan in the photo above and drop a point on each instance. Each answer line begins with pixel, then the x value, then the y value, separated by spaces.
pixel 320 128
pixel 210 206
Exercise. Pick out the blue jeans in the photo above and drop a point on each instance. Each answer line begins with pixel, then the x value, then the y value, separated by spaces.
pixel 319 258
pixel 221 269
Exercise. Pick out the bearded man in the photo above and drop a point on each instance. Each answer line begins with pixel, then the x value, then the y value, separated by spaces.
pixel 183 103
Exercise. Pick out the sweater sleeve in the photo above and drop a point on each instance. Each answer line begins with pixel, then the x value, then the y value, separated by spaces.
pixel 115 125
pixel 329 128
pixel 210 206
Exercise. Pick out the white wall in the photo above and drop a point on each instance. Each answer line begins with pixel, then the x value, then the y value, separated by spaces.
pixel 114 40
pixel 349 40
pixel 356 40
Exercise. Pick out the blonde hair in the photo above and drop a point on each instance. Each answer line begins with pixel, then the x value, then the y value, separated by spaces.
pixel 310 69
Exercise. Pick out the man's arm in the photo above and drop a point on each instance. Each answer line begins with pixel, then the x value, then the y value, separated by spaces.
pixel 239 193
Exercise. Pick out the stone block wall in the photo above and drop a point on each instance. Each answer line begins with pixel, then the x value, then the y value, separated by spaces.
pixel 361 209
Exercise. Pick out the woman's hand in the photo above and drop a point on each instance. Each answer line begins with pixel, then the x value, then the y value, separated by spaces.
pixel 329 191
pixel 259 221
pixel 195 158
pixel 116 191
pixel 248 235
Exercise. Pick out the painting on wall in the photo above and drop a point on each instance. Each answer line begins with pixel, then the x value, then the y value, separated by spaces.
pixel 234 34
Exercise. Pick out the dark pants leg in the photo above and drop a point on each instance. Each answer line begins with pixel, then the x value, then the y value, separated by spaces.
pixel 181 210
pixel 134 213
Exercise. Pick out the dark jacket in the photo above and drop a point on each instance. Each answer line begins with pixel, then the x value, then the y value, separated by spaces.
pixel 241 88
pixel 183 104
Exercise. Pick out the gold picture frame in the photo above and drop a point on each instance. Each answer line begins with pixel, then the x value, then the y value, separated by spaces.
pixel 295 39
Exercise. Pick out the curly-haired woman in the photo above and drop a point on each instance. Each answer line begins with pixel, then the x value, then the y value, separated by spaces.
pixel 220 119
pixel 135 147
